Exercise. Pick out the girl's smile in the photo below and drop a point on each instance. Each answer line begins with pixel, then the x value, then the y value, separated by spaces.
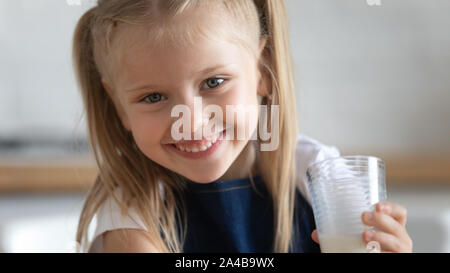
pixel 199 149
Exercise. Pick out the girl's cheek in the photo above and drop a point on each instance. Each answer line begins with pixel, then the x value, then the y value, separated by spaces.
pixel 240 96
pixel 244 94
pixel 149 127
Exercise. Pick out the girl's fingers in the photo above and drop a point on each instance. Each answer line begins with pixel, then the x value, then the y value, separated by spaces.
pixel 388 242
pixel 397 211
pixel 315 236
pixel 383 222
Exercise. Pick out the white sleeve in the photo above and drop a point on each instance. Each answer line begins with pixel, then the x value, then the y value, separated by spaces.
pixel 309 151
pixel 109 217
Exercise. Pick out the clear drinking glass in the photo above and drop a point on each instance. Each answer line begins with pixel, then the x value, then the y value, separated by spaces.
pixel 341 188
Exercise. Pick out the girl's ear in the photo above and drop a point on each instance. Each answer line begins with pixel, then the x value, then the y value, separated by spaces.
pixel 265 81
pixel 118 106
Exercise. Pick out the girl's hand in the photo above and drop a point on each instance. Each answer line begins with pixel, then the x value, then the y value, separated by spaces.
pixel 390 219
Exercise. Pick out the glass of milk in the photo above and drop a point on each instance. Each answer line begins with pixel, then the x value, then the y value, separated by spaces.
pixel 341 189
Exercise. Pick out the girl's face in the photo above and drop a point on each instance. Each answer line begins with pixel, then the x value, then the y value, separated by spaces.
pixel 153 80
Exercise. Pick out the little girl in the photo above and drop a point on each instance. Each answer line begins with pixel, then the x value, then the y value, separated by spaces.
pixel 135 61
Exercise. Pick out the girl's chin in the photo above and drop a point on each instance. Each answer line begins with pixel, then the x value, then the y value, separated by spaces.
pixel 204 178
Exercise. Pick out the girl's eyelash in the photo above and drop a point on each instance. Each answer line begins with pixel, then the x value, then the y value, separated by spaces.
pixel 211 81
pixel 154 96
pixel 158 97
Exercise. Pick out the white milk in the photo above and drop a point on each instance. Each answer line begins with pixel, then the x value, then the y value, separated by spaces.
pixel 342 244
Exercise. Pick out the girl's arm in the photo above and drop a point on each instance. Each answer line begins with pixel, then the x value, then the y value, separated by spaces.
pixel 138 241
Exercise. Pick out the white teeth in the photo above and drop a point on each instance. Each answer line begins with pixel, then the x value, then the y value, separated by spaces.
pixel 195 149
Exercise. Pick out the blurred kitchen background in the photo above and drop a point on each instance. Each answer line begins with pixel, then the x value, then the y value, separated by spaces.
pixel 373 78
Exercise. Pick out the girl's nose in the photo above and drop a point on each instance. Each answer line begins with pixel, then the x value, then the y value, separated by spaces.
pixel 198 122
pixel 198 118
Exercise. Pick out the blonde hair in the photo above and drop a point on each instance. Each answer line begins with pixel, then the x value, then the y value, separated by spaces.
pixel 121 164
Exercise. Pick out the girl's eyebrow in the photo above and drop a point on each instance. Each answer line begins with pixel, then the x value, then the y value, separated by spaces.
pixel 146 86
pixel 201 72
pixel 213 68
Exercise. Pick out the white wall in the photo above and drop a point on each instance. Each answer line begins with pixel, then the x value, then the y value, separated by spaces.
pixel 37 86
pixel 374 78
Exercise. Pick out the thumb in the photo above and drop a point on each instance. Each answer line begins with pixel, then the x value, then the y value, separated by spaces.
pixel 315 236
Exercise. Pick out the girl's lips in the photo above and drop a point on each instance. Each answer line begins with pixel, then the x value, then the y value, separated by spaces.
pixel 199 142
pixel 193 149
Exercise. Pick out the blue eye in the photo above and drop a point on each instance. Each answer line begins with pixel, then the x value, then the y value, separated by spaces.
pixel 154 98
pixel 212 83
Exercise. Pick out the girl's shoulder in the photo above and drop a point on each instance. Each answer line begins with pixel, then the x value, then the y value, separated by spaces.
pixel 309 150
pixel 110 216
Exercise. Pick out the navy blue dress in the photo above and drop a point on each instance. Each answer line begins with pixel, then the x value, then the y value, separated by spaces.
pixel 231 216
